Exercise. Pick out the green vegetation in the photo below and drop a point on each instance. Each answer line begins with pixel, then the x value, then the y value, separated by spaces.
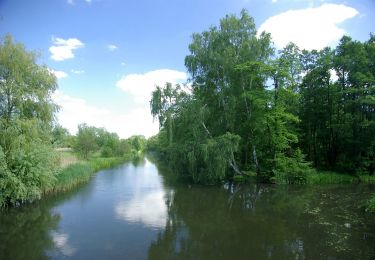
pixel 28 162
pixel 371 205
pixel 30 139
pixel 290 116
pixel 81 172
pixel 94 156
pixel 280 114
pixel 90 140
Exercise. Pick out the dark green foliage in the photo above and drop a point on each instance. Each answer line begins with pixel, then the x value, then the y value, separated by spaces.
pixel 291 170
pixel 371 205
pixel 304 110
pixel 230 119
pixel 338 126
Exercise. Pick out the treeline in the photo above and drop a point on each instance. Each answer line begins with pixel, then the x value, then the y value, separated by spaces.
pixel 248 107
pixel 91 140
pixel 29 136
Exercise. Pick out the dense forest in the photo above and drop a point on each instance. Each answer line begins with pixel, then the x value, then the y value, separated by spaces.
pixel 279 113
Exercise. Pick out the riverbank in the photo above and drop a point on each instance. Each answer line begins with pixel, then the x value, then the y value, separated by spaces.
pixel 73 171
pixel 328 178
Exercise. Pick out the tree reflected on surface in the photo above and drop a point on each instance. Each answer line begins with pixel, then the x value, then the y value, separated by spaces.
pixel 263 222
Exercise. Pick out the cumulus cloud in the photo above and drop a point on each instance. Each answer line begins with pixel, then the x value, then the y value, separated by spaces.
pixel 112 47
pixel 74 111
pixel 141 85
pixel 63 49
pixel 71 2
pixel 311 28
pixel 78 71
pixel 58 73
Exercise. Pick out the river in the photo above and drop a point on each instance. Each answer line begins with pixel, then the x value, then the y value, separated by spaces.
pixel 135 212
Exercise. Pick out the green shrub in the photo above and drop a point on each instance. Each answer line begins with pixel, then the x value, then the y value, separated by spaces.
pixel 371 205
pixel 291 170
pixel 28 167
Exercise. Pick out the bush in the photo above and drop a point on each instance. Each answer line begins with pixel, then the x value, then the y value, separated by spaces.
pixel 291 170
pixel 28 165
pixel 371 205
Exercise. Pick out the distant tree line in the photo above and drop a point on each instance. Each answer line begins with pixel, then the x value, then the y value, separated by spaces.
pixel 249 107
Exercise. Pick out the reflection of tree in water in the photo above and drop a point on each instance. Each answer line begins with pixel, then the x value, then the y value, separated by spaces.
pixel 28 232
pixel 258 222
pixel 24 232
pixel 334 221
pixel 138 160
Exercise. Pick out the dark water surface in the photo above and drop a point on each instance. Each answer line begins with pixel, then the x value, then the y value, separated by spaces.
pixel 133 212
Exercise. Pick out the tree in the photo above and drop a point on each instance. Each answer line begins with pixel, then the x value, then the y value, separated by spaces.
pixel 61 136
pixel 26 116
pixel 86 140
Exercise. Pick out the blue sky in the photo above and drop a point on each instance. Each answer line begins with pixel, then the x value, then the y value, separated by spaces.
pixel 109 54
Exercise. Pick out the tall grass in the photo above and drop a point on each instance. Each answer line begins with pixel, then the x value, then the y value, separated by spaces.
pixel 75 174
pixel 327 177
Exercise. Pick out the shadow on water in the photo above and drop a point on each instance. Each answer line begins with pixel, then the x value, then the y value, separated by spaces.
pixel 266 222
pixel 28 232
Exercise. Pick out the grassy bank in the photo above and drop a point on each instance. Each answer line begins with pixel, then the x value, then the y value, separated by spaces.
pixel 371 205
pixel 326 177
pixel 320 177
pixel 74 172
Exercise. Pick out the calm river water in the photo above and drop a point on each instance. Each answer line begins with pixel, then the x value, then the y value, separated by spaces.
pixel 133 212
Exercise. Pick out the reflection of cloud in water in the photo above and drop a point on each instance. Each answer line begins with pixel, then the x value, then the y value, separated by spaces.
pixel 61 243
pixel 146 204
pixel 148 208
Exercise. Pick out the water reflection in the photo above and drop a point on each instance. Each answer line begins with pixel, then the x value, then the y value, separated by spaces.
pixel 148 208
pixel 134 212
pixel 61 243
pixel 266 222
pixel 147 204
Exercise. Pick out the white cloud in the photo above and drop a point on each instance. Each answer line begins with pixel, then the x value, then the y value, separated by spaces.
pixel 63 49
pixel 141 85
pixel 74 111
pixel 274 1
pixel 311 28
pixel 78 71
pixel 58 73
pixel 112 47
pixel 71 2
pixel 123 64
